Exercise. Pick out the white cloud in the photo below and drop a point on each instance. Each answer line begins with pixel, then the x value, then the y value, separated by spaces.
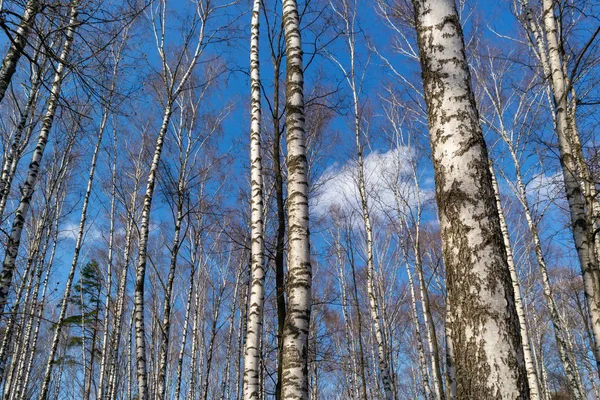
pixel 338 185
pixel 70 229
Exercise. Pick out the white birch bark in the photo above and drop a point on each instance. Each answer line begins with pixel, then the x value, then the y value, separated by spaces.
pixel 534 392
pixel 74 263
pixel 173 87
pixel 347 12
pixel 14 241
pixel 18 43
pixel 482 319
pixel 581 224
pixel 21 137
pixel 185 335
pixel 254 325
pixel 297 320
pixel 40 311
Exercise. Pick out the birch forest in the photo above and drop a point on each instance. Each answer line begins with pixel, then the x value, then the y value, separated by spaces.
pixel 300 199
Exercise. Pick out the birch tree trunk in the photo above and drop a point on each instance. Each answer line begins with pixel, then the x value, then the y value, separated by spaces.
pixel 257 292
pixel 581 223
pixel 74 263
pixel 532 380
pixel 347 12
pixel 297 320
pixel 21 136
pixel 483 322
pixel 14 241
pixel 9 64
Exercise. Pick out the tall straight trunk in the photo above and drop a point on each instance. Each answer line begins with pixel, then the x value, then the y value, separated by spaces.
pixel 432 342
pixel 241 340
pixel 14 241
pixel 360 389
pixel 211 344
pixel 482 319
pixel 10 325
pixel 165 328
pixel 420 349
pixel 28 347
pixel 348 15
pixel 534 391
pixel 257 292
pixel 229 346
pixel 140 332
pixel 184 333
pixel 74 263
pixel 40 311
pixel 297 319
pixel 109 264
pixel 17 46
pixel 277 57
pixel 580 211
pixel 558 325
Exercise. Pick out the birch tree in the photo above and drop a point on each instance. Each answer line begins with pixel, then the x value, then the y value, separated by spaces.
pixel 17 46
pixel 255 312
pixel 175 74
pixel 12 247
pixel 482 321
pixel 297 320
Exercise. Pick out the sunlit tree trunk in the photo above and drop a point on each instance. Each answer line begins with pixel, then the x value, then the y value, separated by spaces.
pixel 297 319
pixel 580 209
pixel 14 241
pixel 257 292
pixel 534 392
pixel 482 319
pixel 74 263
pixel 18 42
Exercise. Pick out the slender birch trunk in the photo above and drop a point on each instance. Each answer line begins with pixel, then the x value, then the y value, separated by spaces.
pixel 255 313
pixel 140 333
pixel 185 329
pixel 438 383
pixel 228 351
pixel 74 263
pixel 14 240
pixel 580 210
pixel 482 321
pixel 17 46
pixel 295 330
pixel 40 312
pixel 20 141
pixel 166 323
pixel 420 349
pixel 534 391
pixel 348 15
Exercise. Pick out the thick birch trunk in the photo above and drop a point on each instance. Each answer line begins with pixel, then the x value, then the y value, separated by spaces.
pixel 255 313
pixel 9 64
pixel 295 330
pixel 482 322
pixel 14 240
